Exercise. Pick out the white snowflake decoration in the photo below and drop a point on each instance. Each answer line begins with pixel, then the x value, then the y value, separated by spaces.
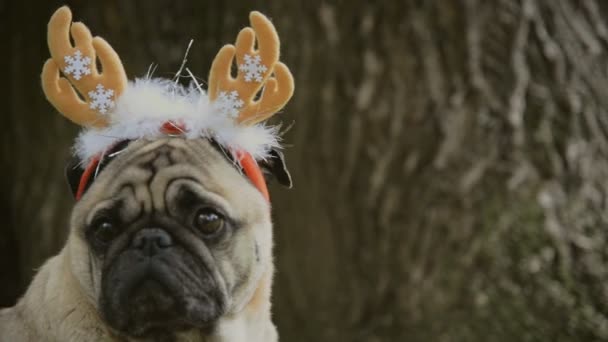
pixel 228 103
pixel 77 65
pixel 253 68
pixel 101 99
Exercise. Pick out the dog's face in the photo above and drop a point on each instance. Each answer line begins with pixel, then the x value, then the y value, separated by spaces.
pixel 170 237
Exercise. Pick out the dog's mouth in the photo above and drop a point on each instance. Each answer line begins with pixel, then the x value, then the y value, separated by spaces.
pixel 152 307
pixel 148 297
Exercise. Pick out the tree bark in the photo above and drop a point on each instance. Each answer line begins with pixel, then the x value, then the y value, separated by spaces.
pixel 449 160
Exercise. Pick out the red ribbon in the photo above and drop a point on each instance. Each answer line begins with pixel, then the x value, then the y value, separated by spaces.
pixel 86 175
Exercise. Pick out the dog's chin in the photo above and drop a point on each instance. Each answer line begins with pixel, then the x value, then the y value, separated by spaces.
pixel 153 299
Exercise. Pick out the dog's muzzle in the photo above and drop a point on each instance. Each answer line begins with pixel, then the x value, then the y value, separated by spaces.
pixel 155 284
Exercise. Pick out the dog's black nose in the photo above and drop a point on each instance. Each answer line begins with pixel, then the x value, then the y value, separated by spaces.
pixel 151 240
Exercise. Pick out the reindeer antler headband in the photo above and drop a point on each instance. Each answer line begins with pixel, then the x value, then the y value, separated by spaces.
pixel 112 109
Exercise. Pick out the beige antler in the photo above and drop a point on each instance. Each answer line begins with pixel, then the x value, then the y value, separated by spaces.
pixel 255 70
pixel 78 64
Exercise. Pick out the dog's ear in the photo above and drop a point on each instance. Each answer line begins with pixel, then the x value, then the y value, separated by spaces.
pixel 274 167
pixel 73 173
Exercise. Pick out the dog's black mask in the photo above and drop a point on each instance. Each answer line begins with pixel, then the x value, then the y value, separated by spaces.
pixel 159 278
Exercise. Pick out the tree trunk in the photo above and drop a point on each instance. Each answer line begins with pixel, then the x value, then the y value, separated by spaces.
pixel 449 160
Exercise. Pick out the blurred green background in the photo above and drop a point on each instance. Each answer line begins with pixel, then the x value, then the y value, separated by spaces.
pixel 449 159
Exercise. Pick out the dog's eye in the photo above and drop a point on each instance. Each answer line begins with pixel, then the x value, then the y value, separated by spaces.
pixel 105 231
pixel 208 221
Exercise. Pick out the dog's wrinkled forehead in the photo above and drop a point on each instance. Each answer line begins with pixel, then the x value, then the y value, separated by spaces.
pixel 181 157
pixel 202 151
pixel 149 167
pixel 74 169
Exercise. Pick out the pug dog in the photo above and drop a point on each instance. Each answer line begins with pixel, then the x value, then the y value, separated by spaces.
pixel 171 242
pixel 171 236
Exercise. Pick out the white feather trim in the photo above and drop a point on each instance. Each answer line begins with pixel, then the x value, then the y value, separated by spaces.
pixel 148 103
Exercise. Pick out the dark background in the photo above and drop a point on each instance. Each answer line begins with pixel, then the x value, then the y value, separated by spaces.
pixel 449 159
